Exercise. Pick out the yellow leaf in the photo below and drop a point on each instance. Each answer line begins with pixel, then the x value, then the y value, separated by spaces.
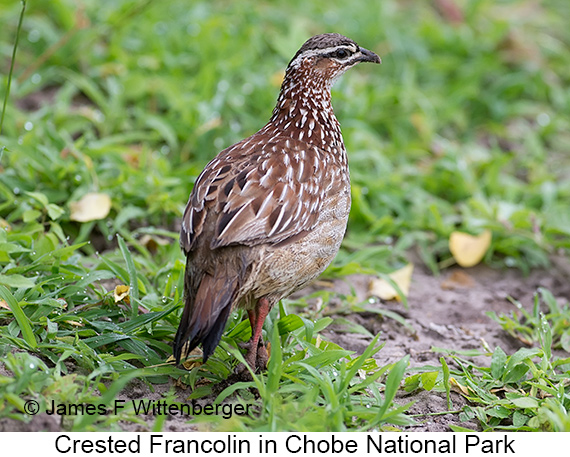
pixel 457 279
pixel 188 364
pixel 454 383
pixel 121 293
pixel 75 323
pixel 153 242
pixel 318 341
pixel 383 289
pixel 209 125
pixel 4 305
pixel 91 207
pixel 191 359
pixel 468 250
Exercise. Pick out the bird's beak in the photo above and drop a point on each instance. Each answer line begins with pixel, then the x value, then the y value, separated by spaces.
pixel 369 56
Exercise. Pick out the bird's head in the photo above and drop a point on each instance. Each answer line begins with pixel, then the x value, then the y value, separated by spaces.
pixel 325 57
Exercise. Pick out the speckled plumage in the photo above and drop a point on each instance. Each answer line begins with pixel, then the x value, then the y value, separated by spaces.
pixel 268 214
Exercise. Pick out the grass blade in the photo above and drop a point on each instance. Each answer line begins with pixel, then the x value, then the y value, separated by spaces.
pixel 21 318
pixel 9 84
pixel 134 283
pixel 393 384
pixel 445 370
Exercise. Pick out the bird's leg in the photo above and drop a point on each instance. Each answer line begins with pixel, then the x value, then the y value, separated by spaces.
pixel 256 355
pixel 252 318
pixel 262 309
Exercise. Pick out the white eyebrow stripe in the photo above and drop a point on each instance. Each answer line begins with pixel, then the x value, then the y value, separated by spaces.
pixel 313 52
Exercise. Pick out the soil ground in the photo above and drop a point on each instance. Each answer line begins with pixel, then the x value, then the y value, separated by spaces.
pixel 450 312
pixel 446 311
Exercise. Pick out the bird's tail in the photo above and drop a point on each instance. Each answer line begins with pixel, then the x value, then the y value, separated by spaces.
pixel 206 312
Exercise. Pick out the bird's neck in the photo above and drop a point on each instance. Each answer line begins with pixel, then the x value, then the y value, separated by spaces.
pixel 304 111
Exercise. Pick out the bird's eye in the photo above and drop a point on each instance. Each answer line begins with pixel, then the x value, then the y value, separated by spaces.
pixel 340 54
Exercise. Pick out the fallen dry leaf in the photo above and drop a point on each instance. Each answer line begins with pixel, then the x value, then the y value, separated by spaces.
pixel 468 250
pixel 193 358
pixel 75 323
pixel 121 293
pixel 318 341
pixel 5 225
pixel 383 289
pixel 188 364
pixel 216 121
pixel 457 279
pixel 91 207
pixel 463 389
pixel 133 155
pixel 515 48
pixel 4 305
pixel 153 242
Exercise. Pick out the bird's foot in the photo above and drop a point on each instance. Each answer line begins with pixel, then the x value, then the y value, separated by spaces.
pixel 262 357
pixel 256 358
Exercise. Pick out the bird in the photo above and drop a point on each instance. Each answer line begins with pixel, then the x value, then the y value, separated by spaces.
pixel 268 214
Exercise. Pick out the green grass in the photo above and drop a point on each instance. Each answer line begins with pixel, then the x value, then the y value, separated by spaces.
pixel 464 127
pixel 530 327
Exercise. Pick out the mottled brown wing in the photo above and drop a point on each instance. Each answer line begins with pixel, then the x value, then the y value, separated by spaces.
pixel 251 194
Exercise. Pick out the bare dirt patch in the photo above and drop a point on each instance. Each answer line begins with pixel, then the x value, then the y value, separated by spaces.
pixel 450 312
